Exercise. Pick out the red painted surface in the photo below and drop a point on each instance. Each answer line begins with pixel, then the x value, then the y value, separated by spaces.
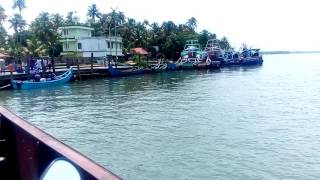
pixel 29 150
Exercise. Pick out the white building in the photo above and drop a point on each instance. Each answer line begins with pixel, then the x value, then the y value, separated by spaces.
pixel 78 41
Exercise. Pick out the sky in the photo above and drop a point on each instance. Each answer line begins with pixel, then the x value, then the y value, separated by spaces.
pixel 266 24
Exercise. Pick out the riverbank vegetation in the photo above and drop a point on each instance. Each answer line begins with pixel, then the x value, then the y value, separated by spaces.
pixel 41 36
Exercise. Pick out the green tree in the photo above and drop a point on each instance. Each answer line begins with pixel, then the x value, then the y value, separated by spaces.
pixel 57 21
pixel 192 23
pixel 72 19
pixel 17 23
pixel 204 36
pixel 20 4
pixel 224 43
pixel 34 48
pixel 93 12
pixel 45 28
pixel 3 35
pixel 3 16
pixel 3 32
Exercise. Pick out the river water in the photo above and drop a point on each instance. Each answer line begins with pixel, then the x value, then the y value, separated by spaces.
pixel 237 123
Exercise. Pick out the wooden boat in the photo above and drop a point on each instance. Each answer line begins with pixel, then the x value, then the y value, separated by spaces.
pixel 30 84
pixel 26 152
pixel 191 54
pixel 124 72
pixel 251 57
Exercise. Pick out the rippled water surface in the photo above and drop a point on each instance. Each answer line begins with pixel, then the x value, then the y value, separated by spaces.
pixel 238 123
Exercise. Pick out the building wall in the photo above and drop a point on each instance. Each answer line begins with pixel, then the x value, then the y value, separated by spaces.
pixel 82 33
pixel 99 46
pixel 114 45
pixel 69 46
pixel 75 33
pixel 92 44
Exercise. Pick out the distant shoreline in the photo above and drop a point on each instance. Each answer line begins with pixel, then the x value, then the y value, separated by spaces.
pixel 290 52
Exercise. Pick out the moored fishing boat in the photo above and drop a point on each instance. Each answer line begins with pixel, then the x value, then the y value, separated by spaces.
pixel 231 58
pixel 172 66
pixel 251 57
pixel 214 53
pixel 44 82
pixel 191 54
pixel 114 71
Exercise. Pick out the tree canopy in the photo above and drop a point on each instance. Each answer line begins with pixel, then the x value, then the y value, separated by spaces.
pixel 166 39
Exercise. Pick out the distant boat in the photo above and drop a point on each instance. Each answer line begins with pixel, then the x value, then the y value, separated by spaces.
pixel 124 72
pixel 214 53
pixel 231 58
pixel 191 54
pixel 251 57
pixel 59 80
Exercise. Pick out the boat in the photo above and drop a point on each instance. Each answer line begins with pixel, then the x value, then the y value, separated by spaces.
pixel 250 57
pixel 171 66
pixel 116 72
pixel 214 53
pixel 231 58
pixel 44 82
pixel 27 152
pixel 159 66
pixel 191 54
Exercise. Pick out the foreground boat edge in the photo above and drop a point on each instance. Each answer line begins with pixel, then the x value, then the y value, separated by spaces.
pixel 31 150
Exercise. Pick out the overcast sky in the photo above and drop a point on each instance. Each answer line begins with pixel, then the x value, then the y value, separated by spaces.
pixel 267 24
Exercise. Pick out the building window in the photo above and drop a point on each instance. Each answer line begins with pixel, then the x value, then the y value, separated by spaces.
pixel 66 45
pixel 79 46
pixel 108 45
pixel 65 32
pixel 112 45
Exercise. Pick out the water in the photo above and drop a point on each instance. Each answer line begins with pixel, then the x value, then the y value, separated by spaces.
pixel 239 123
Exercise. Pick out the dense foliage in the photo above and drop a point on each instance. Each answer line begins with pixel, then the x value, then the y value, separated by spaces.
pixel 41 37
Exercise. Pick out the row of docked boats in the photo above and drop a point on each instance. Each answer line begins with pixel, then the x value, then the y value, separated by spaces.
pixel 193 57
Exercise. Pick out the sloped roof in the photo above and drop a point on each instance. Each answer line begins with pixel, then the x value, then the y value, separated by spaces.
pixel 140 51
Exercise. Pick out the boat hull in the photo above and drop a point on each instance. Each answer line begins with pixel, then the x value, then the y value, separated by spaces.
pixel 24 85
pixel 251 61
pixel 187 65
pixel 128 72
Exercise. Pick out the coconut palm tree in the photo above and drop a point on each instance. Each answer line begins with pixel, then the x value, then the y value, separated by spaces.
pixel 192 23
pixel 93 12
pixel 17 23
pixel 71 18
pixel 3 16
pixel 20 4
pixel 57 21
pixel 34 48
pixel 224 43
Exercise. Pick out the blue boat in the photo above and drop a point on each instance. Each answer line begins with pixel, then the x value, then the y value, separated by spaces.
pixel 124 72
pixel 171 66
pixel 251 57
pixel 30 84
pixel 231 58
